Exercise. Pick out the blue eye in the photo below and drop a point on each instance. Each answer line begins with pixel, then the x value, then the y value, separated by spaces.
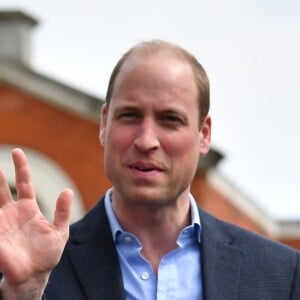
pixel 172 119
pixel 128 115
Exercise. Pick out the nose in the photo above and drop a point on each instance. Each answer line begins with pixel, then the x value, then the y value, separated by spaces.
pixel 147 136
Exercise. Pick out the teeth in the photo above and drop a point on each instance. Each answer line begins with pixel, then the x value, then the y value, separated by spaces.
pixel 143 168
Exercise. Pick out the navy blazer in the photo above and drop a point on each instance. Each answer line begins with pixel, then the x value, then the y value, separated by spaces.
pixel 236 264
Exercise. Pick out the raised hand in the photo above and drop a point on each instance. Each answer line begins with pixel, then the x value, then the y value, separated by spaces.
pixel 30 246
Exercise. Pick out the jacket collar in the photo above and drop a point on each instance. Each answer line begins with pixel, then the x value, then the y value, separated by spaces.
pixel 94 257
pixel 221 259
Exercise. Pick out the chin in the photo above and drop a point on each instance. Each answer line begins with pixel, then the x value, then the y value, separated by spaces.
pixel 149 198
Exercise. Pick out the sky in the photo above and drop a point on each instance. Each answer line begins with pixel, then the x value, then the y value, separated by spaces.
pixel 249 48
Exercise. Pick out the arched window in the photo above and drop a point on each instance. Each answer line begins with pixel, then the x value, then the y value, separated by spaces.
pixel 48 177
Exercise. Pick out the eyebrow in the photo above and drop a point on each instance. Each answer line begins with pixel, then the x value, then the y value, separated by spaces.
pixel 124 105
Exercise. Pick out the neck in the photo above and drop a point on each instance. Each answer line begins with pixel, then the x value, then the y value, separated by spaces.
pixel 156 227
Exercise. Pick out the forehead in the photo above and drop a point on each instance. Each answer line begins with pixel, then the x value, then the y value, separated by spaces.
pixel 156 61
pixel 160 75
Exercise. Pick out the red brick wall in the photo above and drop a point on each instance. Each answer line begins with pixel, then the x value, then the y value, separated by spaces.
pixel 291 242
pixel 69 140
pixel 215 203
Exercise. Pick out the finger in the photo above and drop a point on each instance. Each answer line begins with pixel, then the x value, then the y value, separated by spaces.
pixel 5 193
pixel 23 178
pixel 63 210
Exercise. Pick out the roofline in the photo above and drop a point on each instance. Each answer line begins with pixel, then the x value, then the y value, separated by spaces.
pixel 57 93
pixel 17 14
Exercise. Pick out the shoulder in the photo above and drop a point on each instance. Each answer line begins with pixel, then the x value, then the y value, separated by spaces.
pixel 260 262
pixel 246 241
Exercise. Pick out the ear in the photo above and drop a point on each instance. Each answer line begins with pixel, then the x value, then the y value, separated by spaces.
pixel 103 120
pixel 205 136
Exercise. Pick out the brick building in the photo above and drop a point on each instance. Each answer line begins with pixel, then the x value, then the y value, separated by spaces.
pixel 57 126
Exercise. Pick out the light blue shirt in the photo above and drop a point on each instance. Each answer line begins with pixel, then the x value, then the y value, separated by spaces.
pixel 179 272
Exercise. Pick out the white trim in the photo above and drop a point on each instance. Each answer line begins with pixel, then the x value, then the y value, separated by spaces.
pixel 48 177
pixel 241 203
pixel 278 230
pixel 289 230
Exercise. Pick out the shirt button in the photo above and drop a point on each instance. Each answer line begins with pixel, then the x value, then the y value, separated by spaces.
pixel 128 239
pixel 145 275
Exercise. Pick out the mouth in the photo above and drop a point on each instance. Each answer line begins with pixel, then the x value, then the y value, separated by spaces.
pixel 145 167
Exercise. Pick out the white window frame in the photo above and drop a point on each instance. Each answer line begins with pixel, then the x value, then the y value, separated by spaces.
pixel 49 179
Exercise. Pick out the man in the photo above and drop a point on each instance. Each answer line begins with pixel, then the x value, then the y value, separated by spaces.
pixel 146 238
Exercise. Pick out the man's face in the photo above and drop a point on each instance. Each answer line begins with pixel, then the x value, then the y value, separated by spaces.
pixel 150 131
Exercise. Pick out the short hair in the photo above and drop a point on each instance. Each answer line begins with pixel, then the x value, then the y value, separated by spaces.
pixel 154 46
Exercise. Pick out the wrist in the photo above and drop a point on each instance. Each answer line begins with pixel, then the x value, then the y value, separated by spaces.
pixel 30 290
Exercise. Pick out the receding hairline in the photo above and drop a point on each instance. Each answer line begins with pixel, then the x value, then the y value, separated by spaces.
pixel 149 48
pixel 153 47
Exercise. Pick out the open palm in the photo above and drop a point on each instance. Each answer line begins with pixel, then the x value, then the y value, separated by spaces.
pixel 30 246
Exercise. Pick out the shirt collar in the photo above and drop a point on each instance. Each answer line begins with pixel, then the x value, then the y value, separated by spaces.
pixel 195 217
pixel 116 227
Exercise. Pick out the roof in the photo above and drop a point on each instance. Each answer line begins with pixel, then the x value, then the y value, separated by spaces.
pixel 54 92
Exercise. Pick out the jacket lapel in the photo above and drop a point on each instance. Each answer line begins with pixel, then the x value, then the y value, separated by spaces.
pixel 221 260
pixel 94 256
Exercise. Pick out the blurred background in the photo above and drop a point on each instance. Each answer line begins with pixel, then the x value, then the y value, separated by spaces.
pixel 250 50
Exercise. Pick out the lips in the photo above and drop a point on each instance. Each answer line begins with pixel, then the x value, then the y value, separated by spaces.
pixel 145 171
pixel 145 167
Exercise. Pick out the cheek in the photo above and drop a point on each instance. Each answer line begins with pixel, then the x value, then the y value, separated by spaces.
pixel 184 156
pixel 118 141
pixel 183 145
